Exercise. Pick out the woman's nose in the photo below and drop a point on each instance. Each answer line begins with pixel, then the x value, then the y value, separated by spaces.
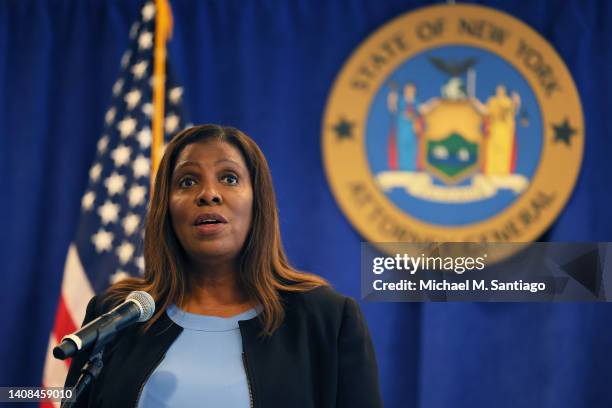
pixel 208 195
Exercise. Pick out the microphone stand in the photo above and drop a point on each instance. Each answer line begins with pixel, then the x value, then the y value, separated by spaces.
pixel 94 364
pixel 89 373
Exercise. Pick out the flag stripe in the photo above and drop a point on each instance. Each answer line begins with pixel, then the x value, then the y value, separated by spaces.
pixel 76 289
pixel 47 404
pixel 55 370
pixel 63 322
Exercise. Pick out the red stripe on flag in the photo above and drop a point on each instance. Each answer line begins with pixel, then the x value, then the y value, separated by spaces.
pixel 63 321
pixel 63 324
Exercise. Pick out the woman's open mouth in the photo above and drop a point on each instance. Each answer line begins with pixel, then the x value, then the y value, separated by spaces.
pixel 209 223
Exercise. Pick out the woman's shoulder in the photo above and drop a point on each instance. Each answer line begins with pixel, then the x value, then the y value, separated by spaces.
pixel 320 300
pixel 326 313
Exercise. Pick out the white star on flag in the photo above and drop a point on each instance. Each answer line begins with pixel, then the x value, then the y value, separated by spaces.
pixel 115 184
pixel 121 155
pixel 148 11
pixel 125 252
pixel 132 98
pixel 126 127
pixel 136 195
pixel 110 116
pixel 172 123
pixel 147 109
pixel 144 137
pixel 88 200
pixel 117 87
pixel 140 263
pixel 109 212
pixel 102 144
pixel 145 41
pixel 134 29
pixel 141 166
pixel 139 69
pixel 102 240
pixel 130 223
pixel 125 58
pixel 176 94
pixel 118 276
pixel 94 172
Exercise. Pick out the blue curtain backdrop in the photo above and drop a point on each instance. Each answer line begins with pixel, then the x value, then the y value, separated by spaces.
pixel 266 66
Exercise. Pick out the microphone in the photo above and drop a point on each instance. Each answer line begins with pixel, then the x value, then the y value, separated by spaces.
pixel 137 308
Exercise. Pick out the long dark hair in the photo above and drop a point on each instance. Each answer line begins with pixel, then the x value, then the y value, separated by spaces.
pixel 264 269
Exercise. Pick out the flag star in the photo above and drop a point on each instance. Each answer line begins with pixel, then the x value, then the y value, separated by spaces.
pixel 176 94
pixel 126 127
pixel 141 166
pixel 102 144
pixel 94 172
pixel 132 98
pixel 140 263
pixel 140 69
pixel 172 123
pixel 109 212
pixel 121 155
pixel 102 240
pixel 144 137
pixel 110 116
pixel 148 11
pixel 125 58
pixel 117 87
pixel 118 276
pixel 147 109
pixel 88 200
pixel 136 195
pixel 145 41
pixel 152 81
pixel 125 252
pixel 134 30
pixel 130 223
pixel 115 184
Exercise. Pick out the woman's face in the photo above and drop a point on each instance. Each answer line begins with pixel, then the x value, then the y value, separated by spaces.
pixel 211 201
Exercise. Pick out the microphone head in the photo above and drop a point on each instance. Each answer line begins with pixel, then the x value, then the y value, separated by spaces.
pixel 145 303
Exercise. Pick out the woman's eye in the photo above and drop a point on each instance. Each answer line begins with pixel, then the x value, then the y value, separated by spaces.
pixel 229 179
pixel 186 182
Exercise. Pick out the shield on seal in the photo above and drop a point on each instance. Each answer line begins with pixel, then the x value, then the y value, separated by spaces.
pixel 452 140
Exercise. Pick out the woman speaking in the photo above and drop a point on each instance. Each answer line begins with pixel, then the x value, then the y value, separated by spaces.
pixel 235 325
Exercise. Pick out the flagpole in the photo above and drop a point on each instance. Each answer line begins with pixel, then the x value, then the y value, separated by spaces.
pixel 163 28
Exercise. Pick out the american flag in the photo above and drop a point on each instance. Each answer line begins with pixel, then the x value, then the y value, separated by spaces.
pixel 108 245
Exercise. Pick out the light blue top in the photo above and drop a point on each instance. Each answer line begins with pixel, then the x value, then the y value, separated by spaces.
pixel 203 367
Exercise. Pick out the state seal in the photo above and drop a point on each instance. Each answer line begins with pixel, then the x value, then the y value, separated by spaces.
pixel 453 123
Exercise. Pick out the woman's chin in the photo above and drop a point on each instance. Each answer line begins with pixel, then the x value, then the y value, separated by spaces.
pixel 213 251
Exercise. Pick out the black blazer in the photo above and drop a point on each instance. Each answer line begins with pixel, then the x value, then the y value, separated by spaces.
pixel 321 356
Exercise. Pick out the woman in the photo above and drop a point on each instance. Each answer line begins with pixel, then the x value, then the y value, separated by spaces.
pixel 235 325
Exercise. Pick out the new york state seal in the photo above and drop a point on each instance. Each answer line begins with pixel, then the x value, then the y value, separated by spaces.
pixel 453 123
